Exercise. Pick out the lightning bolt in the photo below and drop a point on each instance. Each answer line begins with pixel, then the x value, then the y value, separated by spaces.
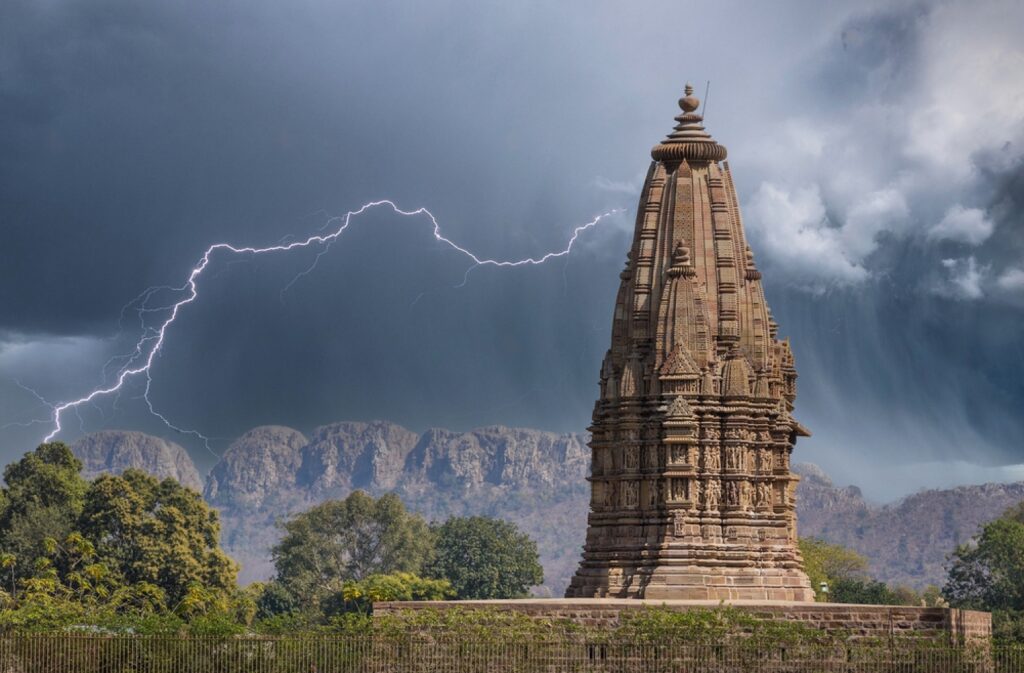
pixel 140 361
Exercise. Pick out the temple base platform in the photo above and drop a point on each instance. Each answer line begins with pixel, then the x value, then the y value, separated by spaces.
pixel 951 626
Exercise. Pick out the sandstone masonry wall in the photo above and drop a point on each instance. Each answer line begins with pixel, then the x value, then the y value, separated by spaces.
pixel 950 625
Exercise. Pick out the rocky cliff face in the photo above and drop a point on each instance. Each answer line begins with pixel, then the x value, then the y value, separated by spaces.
pixel 534 478
pixel 906 542
pixel 259 465
pixel 114 451
pixel 345 456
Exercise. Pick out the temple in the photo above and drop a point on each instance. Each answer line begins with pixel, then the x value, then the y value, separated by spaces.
pixel 691 491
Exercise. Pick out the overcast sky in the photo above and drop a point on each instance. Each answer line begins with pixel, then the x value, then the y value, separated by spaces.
pixel 877 148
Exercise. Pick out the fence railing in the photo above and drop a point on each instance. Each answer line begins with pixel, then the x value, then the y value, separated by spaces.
pixel 74 653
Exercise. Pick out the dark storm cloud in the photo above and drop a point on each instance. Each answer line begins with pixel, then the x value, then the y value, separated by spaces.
pixel 133 135
pixel 899 207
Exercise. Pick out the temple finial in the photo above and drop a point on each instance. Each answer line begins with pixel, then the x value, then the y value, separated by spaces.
pixel 689 103
pixel 688 140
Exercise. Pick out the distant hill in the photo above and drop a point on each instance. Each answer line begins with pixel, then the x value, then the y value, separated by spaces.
pixel 534 478
pixel 907 542
pixel 114 451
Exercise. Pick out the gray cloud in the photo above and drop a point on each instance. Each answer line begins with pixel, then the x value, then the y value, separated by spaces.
pixel 132 136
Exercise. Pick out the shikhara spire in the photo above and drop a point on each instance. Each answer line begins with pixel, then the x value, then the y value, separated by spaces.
pixel 691 492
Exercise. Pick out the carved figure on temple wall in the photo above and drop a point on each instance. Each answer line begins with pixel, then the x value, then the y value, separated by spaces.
pixel 611 493
pixel 678 489
pixel 630 494
pixel 733 458
pixel 632 457
pixel 679 526
pixel 732 494
pixel 712 494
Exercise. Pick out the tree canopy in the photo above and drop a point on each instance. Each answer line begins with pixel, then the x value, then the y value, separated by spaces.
pixel 158 532
pixel 485 558
pixel 42 499
pixel 351 539
pixel 830 563
pixel 845 573
pixel 128 544
pixel 988 574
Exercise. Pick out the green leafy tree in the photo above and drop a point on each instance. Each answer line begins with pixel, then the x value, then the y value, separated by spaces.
pixel 485 558
pixel 830 563
pixel 988 574
pixel 932 597
pixel 273 598
pixel 360 595
pixel 350 539
pixel 42 499
pixel 159 533
pixel 864 591
pixel 904 595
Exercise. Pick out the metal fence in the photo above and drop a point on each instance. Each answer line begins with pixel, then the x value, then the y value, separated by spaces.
pixel 72 653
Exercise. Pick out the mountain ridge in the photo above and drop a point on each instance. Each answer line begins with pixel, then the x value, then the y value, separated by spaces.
pixel 114 451
pixel 531 477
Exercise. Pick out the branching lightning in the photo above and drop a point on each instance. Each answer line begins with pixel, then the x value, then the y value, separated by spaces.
pixel 140 361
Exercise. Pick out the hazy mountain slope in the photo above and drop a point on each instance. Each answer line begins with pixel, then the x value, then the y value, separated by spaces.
pixel 907 541
pixel 534 478
pixel 114 451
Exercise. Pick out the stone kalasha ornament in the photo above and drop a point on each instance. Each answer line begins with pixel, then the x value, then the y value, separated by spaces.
pixel 694 428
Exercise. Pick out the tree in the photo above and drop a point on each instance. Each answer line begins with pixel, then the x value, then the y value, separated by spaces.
pixel 904 595
pixel 360 595
pixel 159 533
pixel 830 563
pixel 350 539
pixel 932 597
pixel 42 499
pixel 988 574
pixel 863 591
pixel 485 558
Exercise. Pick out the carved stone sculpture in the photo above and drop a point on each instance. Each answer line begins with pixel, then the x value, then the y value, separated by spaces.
pixel 695 376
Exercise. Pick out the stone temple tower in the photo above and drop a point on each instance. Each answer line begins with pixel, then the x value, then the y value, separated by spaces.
pixel 691 491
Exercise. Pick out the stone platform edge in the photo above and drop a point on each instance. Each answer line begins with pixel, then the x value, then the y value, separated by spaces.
pixel 858 621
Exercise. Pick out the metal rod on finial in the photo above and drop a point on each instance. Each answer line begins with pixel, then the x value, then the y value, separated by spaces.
pixel 704 105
